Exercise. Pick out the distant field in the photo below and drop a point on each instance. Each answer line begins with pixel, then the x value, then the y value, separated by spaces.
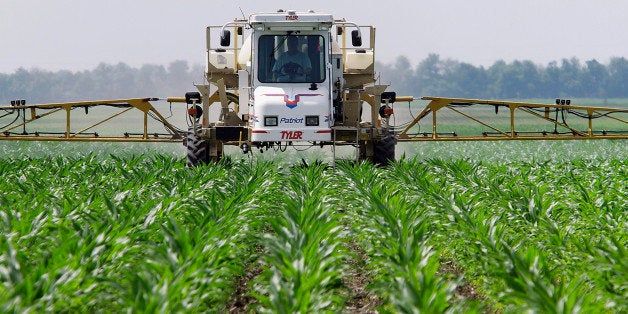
pixel 515 151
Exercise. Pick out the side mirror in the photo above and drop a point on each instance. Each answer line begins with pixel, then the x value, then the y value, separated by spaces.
pixel 356 39
pixel 225 38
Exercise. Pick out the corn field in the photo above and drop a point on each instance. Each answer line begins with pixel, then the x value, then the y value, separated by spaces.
pixel 143 233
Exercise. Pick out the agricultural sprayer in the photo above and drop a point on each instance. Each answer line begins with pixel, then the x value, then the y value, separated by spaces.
pixel 295 79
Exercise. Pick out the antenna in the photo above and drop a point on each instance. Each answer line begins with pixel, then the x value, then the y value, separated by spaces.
pixel 243 16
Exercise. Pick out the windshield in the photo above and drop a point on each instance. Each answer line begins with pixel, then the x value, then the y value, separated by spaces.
pixel 291 59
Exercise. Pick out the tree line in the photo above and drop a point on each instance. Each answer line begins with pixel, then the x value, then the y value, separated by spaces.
pixel 106 81
pixel 568 78
pixel 434 76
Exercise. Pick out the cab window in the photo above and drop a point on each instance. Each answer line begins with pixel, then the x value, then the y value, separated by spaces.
pixel 291 59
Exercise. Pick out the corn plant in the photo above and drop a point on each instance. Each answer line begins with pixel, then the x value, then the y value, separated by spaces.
pixel 136 238
pixel 304 254
pixel 537 210
pixel 396 229
pixel 128 232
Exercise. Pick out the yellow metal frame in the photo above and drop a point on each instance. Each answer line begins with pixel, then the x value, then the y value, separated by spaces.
pixel 437 104
pixel 128 105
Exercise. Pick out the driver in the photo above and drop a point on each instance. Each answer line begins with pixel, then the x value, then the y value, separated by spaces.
pixel 292 65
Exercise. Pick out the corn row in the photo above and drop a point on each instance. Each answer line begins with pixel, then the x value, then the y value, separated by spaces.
pixel 138 239
pixel 305 256
pixel 395 232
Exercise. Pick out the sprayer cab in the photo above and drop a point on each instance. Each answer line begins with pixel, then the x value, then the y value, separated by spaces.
pixel 292 77
pixel 289 78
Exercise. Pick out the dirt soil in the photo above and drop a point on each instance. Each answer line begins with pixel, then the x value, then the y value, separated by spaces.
pixel 464 290
pixel 242 301
pixel 360 299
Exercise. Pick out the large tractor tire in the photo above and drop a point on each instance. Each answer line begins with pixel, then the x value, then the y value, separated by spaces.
pixel 197 150
pixel 384 151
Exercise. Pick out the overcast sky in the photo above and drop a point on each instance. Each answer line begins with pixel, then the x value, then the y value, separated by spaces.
pixel 79 34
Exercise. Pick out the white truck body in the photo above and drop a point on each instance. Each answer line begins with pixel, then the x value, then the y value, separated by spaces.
pixel 284 107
